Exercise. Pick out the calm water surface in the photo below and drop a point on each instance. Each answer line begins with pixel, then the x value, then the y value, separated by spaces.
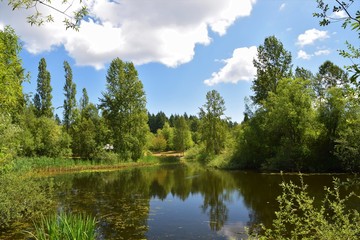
pixel 176 201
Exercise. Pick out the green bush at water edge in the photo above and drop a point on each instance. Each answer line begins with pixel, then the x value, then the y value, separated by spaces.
pixel 299 218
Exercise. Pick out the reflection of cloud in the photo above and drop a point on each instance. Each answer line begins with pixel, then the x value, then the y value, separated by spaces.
pixel 234 231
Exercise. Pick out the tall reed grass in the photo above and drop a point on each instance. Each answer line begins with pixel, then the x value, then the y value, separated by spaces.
pixel 65 226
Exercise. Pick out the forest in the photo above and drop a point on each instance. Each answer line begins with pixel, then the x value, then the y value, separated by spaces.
pixel 295 121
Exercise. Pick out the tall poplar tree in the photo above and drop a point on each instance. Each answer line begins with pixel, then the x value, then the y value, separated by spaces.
pixel 124 108
pixel 70 96
pixel 272 64
pixel 43 97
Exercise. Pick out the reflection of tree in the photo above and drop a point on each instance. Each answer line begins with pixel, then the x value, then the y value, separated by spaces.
pixel 216 187
pixel 121 199
pixel 259 192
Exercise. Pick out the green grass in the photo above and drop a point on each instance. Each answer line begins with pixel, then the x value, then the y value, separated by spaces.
pixel 46 164
pixel 65 226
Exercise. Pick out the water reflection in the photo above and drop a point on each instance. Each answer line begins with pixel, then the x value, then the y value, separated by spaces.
pixel 176 201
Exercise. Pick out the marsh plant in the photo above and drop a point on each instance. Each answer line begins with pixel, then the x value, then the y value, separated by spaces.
pixel 65 226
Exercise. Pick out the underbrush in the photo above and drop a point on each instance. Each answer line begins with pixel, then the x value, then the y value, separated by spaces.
pixel 23 198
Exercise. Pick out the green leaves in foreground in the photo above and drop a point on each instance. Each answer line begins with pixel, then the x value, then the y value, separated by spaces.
pixel 300 218
pixel 66 226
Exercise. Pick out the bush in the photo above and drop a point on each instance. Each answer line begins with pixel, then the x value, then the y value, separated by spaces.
pixel 107 157
pixel 299 218
pixel 22 198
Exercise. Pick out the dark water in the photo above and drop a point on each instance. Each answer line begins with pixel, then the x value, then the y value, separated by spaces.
pixel 176 201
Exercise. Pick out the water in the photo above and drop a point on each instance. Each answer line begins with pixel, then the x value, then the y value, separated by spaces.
pixel 176 201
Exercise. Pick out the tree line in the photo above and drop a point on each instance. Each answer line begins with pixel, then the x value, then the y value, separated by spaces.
pixel 295 121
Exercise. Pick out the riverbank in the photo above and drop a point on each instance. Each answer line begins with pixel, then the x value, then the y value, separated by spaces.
pixel 45 165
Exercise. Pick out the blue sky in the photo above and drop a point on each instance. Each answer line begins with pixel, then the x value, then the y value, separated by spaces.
pixel 182 49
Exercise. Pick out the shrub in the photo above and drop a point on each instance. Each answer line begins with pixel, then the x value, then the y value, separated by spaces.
pixel 299 218
pixel 22 198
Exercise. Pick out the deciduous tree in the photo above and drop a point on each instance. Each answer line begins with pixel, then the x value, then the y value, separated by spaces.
pixel 272 64
pixel 11 73
pixel 213 126
pixel 124 108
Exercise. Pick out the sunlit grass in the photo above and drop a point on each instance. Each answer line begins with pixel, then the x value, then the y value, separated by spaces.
pixel 65 226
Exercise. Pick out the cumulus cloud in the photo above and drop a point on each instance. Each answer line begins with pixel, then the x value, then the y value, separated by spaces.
pixel 237 68
pixel 303 55
pixel 140 31
pixel 310 36
pixel 322 52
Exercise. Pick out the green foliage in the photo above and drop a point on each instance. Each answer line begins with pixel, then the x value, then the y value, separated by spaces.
pixel 42 100
pixel 42 136
pixel 347 145
pixel 9 142
pixel 158 142
pixel 182 135
pixel 124 108
pixel 66 226
pixel 299 217
pixel 11 73
pixel 289 120
pixel 213 128
pixel 22 198
pixel 352 19
pixel 272 64
pixel 37 18
pixel 70 97
pixel 168 133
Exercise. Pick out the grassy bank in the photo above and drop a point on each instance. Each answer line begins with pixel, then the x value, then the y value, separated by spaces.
pixel 45 164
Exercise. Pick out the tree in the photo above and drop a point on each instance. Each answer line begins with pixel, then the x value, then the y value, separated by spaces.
pixel 329 75
pixel 182 135
pixel 168 133
pixel 70 94
pixel 38 18
pixel 124 108
pixel 352 19
pixel 84 100
pixel 272 64
pixel 290 125
pixel 303 73
pixel 42 99
pixel 11 73
pixel 213 127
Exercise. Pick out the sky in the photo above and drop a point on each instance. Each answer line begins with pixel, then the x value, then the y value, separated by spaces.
pixel 181 48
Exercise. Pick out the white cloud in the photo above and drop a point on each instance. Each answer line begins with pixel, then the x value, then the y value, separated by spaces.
pixel 303 55
pixel 322 52
pixel 289 29
pixel 282 7
pixel 340 14
pixel 237 68
pixel 140 31
pixel 310 36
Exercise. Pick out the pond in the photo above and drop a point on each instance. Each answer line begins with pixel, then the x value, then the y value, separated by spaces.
pixel 176 201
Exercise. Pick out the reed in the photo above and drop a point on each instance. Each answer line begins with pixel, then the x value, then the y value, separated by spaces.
pixel 65 226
